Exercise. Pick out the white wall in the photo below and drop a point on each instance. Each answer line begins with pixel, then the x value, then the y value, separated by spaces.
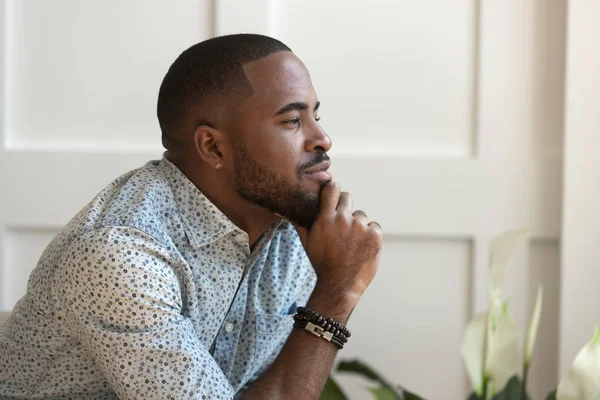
pixel 580 310
pixel 447 123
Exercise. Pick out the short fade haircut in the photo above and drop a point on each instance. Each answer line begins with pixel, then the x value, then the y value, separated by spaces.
pixel 209 74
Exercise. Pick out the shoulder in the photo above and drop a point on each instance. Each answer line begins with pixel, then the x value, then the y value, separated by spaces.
pixel 142 199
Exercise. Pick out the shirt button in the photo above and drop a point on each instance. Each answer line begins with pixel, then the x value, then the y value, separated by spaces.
pixel 229 327
pixel 240 238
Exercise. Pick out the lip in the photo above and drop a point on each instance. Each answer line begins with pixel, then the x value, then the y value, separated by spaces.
pixel 319 171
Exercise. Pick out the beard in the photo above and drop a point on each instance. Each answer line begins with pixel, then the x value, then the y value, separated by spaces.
pixel 266 188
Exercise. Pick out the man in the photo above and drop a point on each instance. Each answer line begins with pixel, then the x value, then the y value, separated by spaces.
pixel 181 278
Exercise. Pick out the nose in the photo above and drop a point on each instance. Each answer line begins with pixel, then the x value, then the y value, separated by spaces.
pixel 317 139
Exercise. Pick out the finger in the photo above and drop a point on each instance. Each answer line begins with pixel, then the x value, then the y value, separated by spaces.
pixel 330 196
pixel 375 225
pixel 360 215
pixel 345 203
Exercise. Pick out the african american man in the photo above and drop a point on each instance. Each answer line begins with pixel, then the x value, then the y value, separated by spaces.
pixel 206 274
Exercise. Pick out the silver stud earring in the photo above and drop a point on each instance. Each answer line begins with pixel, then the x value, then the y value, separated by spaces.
pixel 218 166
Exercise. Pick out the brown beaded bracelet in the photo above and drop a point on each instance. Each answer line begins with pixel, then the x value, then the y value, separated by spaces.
pixel 327 324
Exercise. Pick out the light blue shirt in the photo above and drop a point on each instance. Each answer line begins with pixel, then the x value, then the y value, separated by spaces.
pixel 151 292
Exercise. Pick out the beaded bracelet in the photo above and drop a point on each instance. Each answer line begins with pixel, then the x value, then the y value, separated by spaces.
pixel 322 327
pixel 319 332
pixel 330 325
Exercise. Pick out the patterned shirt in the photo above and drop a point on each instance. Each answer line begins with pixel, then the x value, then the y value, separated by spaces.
pixel 151 292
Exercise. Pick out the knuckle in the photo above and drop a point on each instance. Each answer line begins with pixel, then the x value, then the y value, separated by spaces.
pixel 343 220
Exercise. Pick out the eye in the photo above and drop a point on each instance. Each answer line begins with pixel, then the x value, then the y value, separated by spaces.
pixel 293 121
pixel 297 122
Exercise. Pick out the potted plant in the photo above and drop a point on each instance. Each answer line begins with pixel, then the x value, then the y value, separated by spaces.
pixel 490 349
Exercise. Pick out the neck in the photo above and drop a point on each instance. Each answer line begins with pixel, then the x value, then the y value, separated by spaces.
pixel 252 219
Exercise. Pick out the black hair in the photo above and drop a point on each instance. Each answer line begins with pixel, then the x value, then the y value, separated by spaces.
pixel 209 75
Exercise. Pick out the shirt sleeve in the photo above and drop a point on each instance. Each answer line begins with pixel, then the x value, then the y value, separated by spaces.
pixel 118 291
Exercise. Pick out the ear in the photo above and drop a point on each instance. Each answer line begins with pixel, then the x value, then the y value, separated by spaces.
pixel 210 143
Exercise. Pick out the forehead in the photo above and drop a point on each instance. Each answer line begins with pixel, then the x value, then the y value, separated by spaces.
pixel 278 79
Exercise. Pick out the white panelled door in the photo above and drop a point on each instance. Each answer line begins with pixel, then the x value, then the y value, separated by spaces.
pixel 446 126
pixel 444 122
pixel 79 86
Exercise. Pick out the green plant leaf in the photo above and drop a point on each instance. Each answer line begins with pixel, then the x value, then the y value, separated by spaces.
pixel 411 396
pixel 474 396
pixel 332 391
pixel 358 367
pixel 512 391
pixel 361 368
pixel 382 393
pixel 551 395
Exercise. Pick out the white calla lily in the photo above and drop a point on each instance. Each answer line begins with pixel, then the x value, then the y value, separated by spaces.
pixel 490 346
pixel 502 248
pixel 582 380
pixel 533 326
pixel 502 360
pixel 472 350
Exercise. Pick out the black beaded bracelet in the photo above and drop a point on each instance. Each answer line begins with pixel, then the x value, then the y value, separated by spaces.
pixel 319 332
pixel 328 324
pixel 324 327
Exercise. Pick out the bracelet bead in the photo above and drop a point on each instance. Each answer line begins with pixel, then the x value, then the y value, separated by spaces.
pixel 338 333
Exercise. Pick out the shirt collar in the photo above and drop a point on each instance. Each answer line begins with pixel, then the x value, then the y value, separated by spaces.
pixel 203 222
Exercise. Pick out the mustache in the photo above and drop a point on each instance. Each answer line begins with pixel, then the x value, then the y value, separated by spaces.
pixel 321 157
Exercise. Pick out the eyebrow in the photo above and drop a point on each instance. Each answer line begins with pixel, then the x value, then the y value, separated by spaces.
pixel 297 106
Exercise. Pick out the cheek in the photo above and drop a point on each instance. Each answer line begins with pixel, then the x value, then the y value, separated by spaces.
pixel 279 155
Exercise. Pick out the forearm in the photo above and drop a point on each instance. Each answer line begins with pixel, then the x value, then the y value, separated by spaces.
pixel 303 366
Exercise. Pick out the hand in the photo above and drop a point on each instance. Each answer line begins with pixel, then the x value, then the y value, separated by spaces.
pixel 343 247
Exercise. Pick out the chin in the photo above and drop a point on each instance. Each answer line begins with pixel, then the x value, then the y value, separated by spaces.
pixel 314 187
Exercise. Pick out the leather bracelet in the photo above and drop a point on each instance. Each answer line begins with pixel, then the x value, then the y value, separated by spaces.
pixel 319 332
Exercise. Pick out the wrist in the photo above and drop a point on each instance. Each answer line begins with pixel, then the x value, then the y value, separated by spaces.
pixel 331 303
